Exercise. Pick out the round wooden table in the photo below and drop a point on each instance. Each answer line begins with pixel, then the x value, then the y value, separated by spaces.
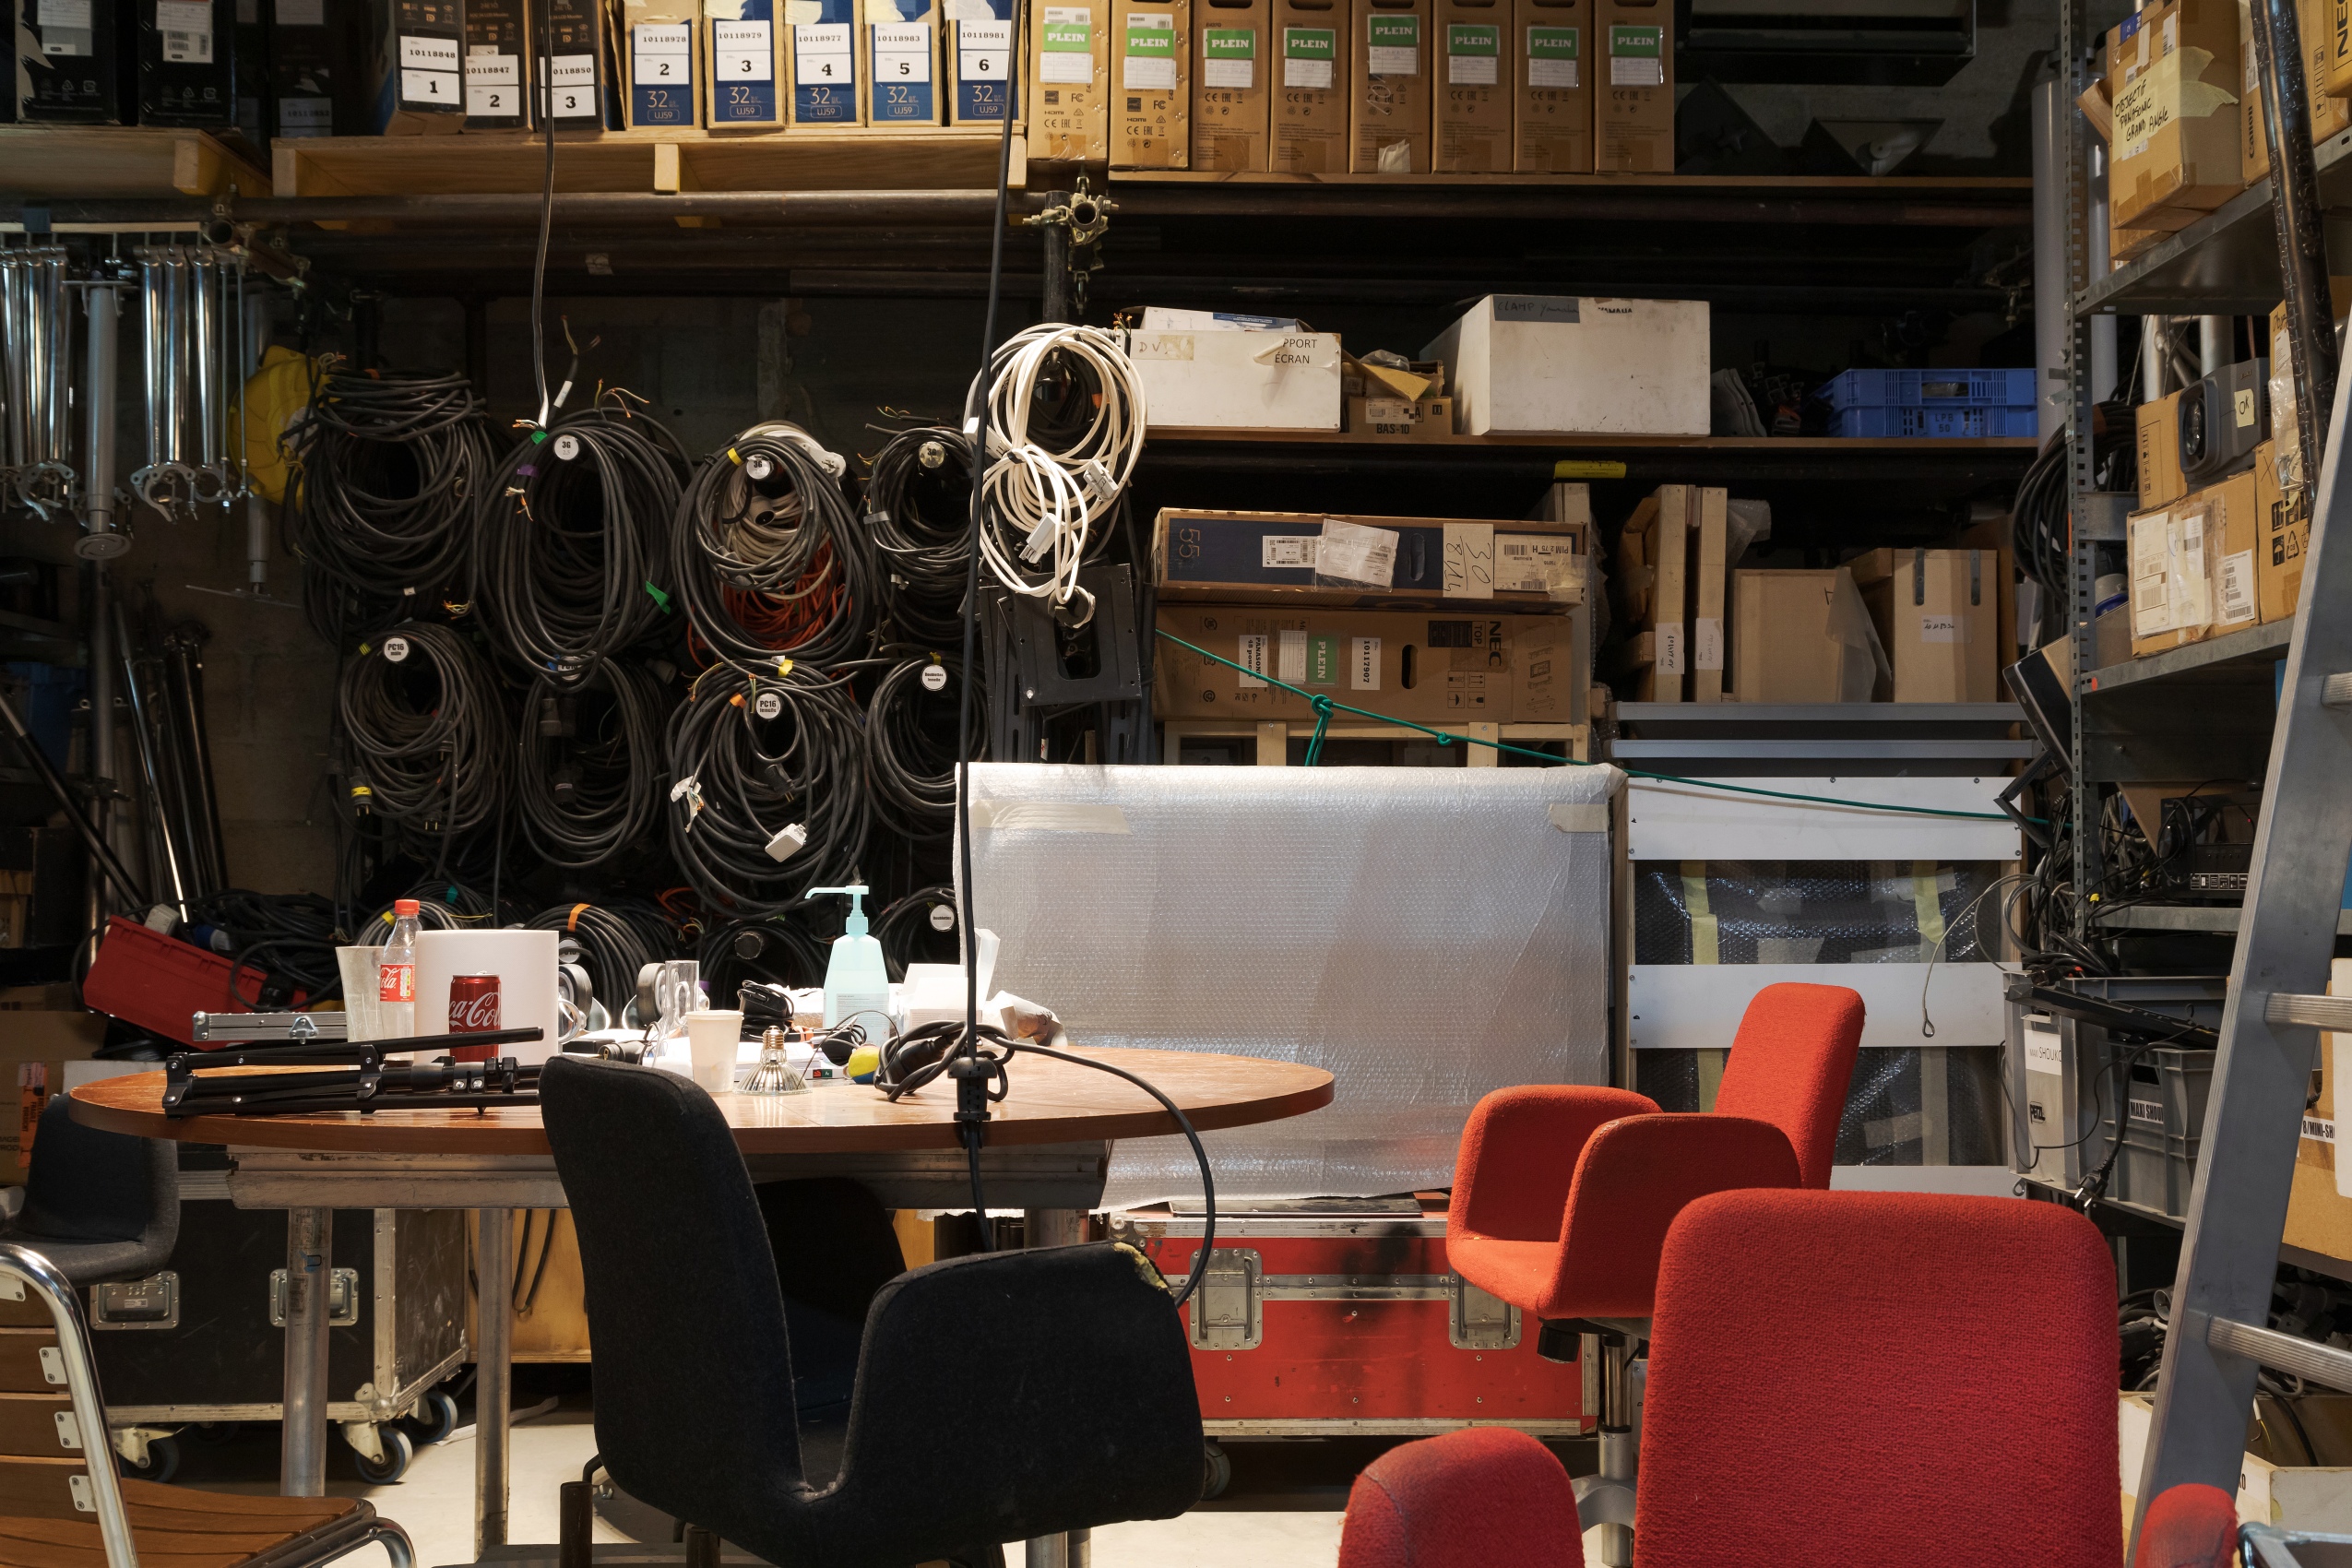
pixel 1046 1153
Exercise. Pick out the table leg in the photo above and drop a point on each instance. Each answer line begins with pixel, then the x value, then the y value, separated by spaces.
pixel 1057 1228
pixel 310 1278
pixel 494 1373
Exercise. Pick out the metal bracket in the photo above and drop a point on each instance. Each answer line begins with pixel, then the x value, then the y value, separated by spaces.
pixel 1476 1321
pixel 1083 217
pixel 342 1297
pixel 152 1302
pixel 1225 1314
pixel 84 1501
pixel 69 1431
pixel 52 1365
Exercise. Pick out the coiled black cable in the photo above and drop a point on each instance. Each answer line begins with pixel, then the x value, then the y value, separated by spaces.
pixel 428 733
pixel 911 745
pixel 291 934
pixel 783 951
pixel 919 515
pixel 614 941
pixel 753 755
pixel 2038 512
pixel 592 768
pixel 441 905
pixel 767 554
pixel 387 470
pixel 572 548
pixel 910 931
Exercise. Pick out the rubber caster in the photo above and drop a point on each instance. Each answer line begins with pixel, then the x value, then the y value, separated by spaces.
pixel 434 1417
pixel 163 1461
pixel 1217 1470
pixel 216 1434
pixel 397 1451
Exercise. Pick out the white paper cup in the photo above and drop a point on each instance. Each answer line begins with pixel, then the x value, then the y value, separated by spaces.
pixel 711 1037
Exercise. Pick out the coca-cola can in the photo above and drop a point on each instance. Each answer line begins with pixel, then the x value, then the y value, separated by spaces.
pixel 473 1004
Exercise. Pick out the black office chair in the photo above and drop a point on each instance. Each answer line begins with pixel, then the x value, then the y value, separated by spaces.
pixel 98 1205
pixel 998 1398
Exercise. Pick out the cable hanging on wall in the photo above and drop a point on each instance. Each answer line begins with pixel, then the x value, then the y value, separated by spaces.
pixel 782 951
pixel 767 799
pixel 767 554
pixel 615 940
pixel 590 777
pixel 910 744
pixel 1065 420
pixel 919 515
pixel 429 737
pixel 571 548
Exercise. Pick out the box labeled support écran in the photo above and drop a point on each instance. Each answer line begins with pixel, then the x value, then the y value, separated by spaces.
pixel 1436 668
pixel 1151 104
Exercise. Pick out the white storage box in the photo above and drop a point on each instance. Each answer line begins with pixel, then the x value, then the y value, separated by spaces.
pixel 1227 380
pixel 1546 365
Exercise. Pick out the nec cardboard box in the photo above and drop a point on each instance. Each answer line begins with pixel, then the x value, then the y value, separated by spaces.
pixel 2286 540
pixel 1151 106
pixel 979 60
pixel 1801 636
pixel 2158 434
pixel 1937 616
pixel 744 55
pixel 1311 95
pixel 1231 96
pixel 660 51
pixel 416 76
pixel 1436 668
pixel 1228 380
pixel 902 65
pixel 1552 117
pixel 821 55
pixel 1389 113
pixel 1070 73
pixel 1478 64
pixel 1634 98
pixel 2317 23
pixel 2171 569
pixel 1430 562
pixel 2173 78
pixel 1538 364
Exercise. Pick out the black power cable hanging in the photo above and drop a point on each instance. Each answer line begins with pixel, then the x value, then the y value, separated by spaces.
pixel 909 745
pixel 767 554
pixel 571 548
pixel 918 928
pixel 782 951
pixel 754 758
pixel 615 944
pixel 430 738
pixel 919 515
pixel 590 767
pixel 387 470
pixel 292 934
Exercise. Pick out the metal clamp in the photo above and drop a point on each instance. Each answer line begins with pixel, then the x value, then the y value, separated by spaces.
pixel 342 1297
pixel 152 1302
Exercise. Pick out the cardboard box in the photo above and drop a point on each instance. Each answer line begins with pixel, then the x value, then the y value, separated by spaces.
pixel 1478 72
pixel 1938 616
pixel 416 76
pixel 1271 558
pixel 1401 419
pixel 1311 97
pixel 2237 528
pixel 659 50
pixel 980 61
pixel 2254 148
pixel 1634 99
pixel 499 55
pixel 2172 72
pixel 822 60
pixel 314 76
pixel 1542 364
pixel 1389 110
pixel 743 62
pixel 1070 73
pixel 1441 668
pixel 1709 584
pixel 1231 95
pixel 188 62
pixel 2319 1217
pixel 34 1049
pixel 1151 108
pixel 73 63
pixel 1226 380
pixel 581 68
pixel 1570 503
pixel 901 60
pixel 2286 522
pixel 1802 636
pixel 2316 21
pixel 2172 571
pixel 1552 109
pixel 2158 430
pixel 1653 576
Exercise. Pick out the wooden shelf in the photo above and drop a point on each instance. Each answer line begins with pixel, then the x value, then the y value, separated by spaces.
pixel 123 160
pixel 1814 444
pixel 927 158
pixel 1771 185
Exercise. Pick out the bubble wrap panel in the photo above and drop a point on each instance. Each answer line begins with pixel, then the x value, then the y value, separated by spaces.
pixel 1425 935
pixel 1811 912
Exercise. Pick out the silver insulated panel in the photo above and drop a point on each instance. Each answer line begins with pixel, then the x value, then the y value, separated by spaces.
pixel 1424 934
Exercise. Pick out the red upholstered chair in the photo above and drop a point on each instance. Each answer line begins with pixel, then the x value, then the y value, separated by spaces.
pixel 2189 1525
pixel 1484 1497
pixel 1562 1194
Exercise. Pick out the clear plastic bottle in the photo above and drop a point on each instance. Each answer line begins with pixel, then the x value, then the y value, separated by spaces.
pixel 395 975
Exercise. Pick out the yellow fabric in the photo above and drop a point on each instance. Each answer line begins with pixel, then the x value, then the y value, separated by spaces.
pixel 275 397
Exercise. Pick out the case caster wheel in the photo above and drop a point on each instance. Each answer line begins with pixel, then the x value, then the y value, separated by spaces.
pixel 213 1434
pixel 390 1461
pixel 434 1417
pixel 160 1464
pixel 1217 1470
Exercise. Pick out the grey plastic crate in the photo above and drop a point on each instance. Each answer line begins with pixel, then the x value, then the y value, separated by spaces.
pixel 2164 1107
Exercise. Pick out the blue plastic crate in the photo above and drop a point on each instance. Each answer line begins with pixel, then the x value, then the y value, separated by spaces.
pixel 1932 388
pixel 1936 421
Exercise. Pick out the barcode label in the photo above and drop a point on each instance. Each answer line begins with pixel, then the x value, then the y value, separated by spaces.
pixel 2238 601
pixel 187 31
pixel 902 53
pixel 2319 1129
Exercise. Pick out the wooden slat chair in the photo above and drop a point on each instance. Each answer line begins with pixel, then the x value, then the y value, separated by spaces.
pixel 57 1509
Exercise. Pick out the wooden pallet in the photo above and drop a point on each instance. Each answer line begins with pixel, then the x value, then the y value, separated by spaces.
pixel 926 157
pixel 94 161
pixel 1274 736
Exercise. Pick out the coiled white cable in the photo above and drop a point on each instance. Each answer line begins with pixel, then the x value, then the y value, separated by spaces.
pixel 1042 501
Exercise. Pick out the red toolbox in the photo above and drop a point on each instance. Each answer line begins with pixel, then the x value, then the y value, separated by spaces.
pixel 1339 1317
pixel 159 983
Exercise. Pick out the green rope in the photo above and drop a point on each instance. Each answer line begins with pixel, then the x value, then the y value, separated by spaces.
pixel 1324 707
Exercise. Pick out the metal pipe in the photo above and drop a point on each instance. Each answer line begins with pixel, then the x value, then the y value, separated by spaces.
pixel 2216 343
pixel 494 1373
pixel 2054 323
pixel 2297 212
pixel 183 657
pixel 58 1295
pixel 102 706
pixel 106 866
pixel 100 539
pixel 2101 262
pixel 310 1278
pixel 158 810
